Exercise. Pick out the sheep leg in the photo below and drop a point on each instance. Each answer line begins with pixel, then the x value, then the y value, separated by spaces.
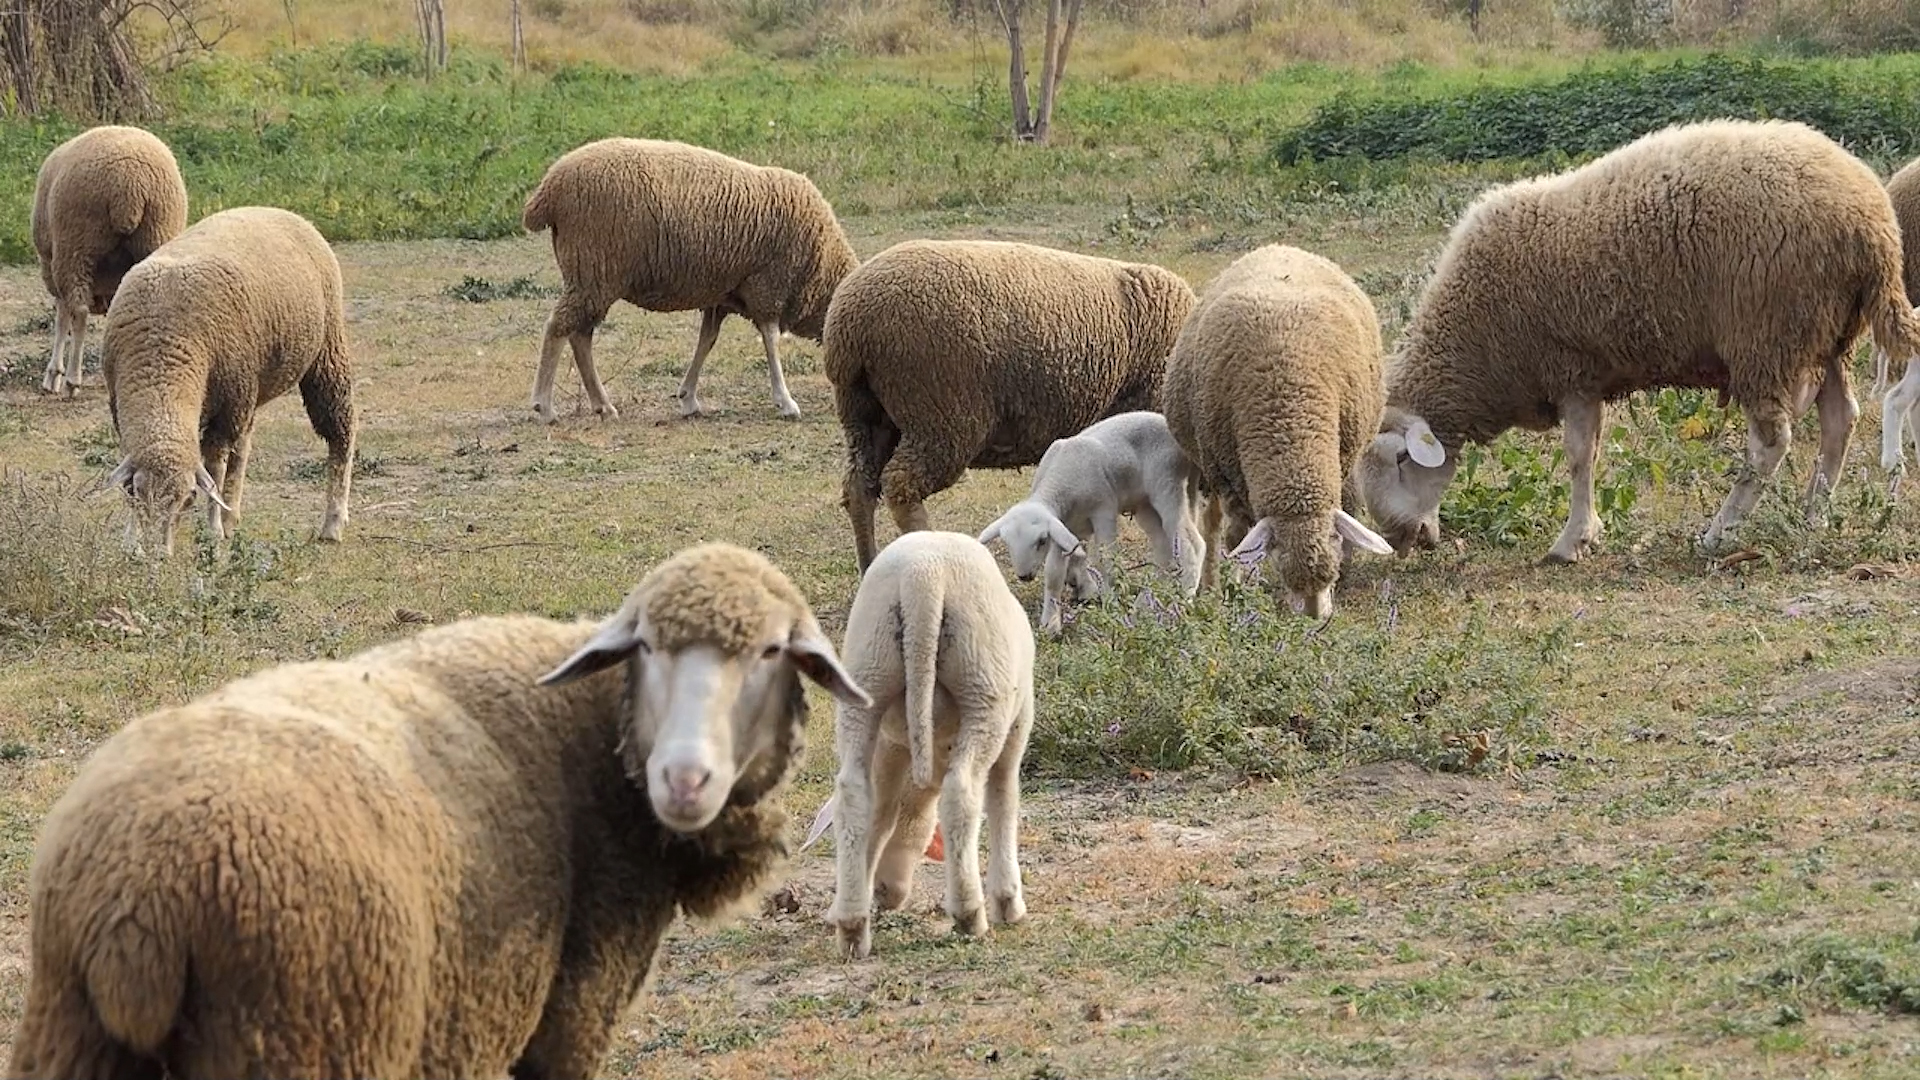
pixel 1053 587
pixel 961 796
pixel 854 825
pixel 1177 536
pixel 1106 533
pixel 608 953
pixel 1769 434
pixel 860 505
pixel 1897 409
pixel 583 359
pixel 1003 819
pixel 923 466
pixel 54 380
pixel 1210 515
pixel 327 392
pixel 76 349
pixel 1838 411
pixel 906 848
pixel 783 401
pixel 215 456
pixel 236 479
pixel 689 395
pixel 1582 418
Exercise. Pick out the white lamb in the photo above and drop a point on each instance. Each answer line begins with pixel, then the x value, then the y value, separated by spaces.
pixel 1125 464
pixel 943 648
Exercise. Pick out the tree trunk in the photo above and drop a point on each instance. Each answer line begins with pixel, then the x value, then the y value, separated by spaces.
pixel 1056 65
pixel 519 42
pixel 1016 69
pixel 433 33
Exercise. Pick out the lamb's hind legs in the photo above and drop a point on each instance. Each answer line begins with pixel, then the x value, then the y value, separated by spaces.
pixel 1004 891
pixel 859 832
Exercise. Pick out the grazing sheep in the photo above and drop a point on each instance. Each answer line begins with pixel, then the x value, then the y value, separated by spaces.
pixel 1741 256
pixel 220 320
pixel 427 859
pixel 1125 464
pixel 104 200
pixel 1273 390
pixel 944 650
pixel 671 227
pixel 1900 408
pixel 947 355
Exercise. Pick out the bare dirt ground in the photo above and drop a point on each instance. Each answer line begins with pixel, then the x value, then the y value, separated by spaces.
pixel 1713 871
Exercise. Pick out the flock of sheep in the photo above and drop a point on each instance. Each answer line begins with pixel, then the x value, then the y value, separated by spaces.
pixel 457 853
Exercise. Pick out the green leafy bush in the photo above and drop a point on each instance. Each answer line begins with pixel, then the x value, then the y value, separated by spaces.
pixel 1146 679
pixel 1873 109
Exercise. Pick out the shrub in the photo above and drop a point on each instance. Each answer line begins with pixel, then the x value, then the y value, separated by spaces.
pixel 1146 680
pixel 1872 110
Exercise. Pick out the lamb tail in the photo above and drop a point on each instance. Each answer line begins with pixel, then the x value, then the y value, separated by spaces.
pixel 922 607
pixel 537 215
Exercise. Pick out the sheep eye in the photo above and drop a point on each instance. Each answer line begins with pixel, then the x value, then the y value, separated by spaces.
pixel 1402 458
pixel 770 651
pixel 640 646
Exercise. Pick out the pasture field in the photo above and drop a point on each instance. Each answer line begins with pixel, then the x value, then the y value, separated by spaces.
pixel 1652 814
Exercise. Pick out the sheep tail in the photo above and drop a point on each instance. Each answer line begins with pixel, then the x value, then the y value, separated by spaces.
pixel 131 984
pixel 922 608
pixel 537 215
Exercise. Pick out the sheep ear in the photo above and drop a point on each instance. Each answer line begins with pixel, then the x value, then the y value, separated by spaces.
pixel 203 480
pixel 612 643
pixel 1255 540
pixel 813 654
pixel 121 475
pixel 1346 527
pixel 1423 447
pixel 1063 537
pixel 992 531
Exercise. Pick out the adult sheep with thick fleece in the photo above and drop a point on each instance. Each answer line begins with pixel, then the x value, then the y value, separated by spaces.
pixel 947 355
pixel 104 200
pixel 943 648
pixel 1745 257
pixel 1125 464
pixel 450 855
pixel 1273 391
pixel 218 322
pixel 670 227
pixel 1900 408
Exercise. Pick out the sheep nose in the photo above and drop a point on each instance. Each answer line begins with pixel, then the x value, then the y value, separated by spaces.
pixel 686 782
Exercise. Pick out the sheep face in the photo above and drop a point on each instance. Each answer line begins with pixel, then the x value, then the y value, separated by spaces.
pixel 1402 475
pixel 713 666
pixel 1030 532
pixel 159 493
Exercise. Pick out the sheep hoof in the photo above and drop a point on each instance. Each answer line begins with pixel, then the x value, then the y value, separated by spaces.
pixel 1557 557
pixel 970 923
pixel 608 412
pixel 690 407
pixel 1008 910
pixel 544 413
pixel 789 411
pixel 856 939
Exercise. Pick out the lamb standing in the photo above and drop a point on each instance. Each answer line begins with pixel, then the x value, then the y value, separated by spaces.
pixel 947 355
pixel 1273 391
pixel 222 319
pixel 103 201
pixel 671 227
pixel 1125 464
pixel 417 861
pixel 1900 408
pixel 1741 256
pixel 944 650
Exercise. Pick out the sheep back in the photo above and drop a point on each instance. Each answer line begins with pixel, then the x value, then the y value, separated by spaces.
pixel 1273 391
pixel 999 348
pixel 223 318
pixel 672 227
pixel 102 201
pixel 1733 255
pixel 409 862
